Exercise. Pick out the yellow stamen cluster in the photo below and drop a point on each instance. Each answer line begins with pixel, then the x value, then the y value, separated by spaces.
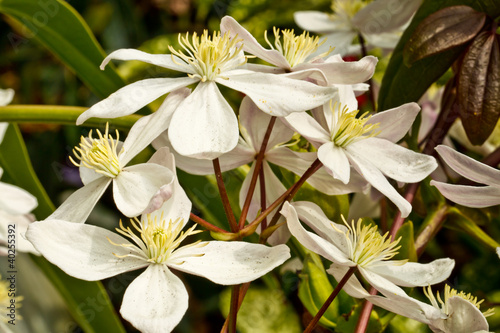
pixel 346 9
pixel 347 129
pixel 209 56
pixel 450 292
pixel 99 154
pixel 5 299
pixel 367 247
pixel 158 238
pixel 295 49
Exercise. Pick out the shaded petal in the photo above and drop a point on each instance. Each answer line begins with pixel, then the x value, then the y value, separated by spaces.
pixel 315 21
pixel 340 72
pixel 155 301
pixel 335 159
pixel 80 203
pixel 380 283
pixel 6 96
pixel 135 186
pixel 414 274
pixel 378 180
pixel 277 95
pixel 134 96
pixel 470 196
pixel 3 129
pixel 163 60
pixel 82 250
pixel 255 122
pixel 21 224
pixel 342 41
pixel 204 125
pixel 384 15
pixel 250 44
pixel 395 123
pixel 464 317
pixel 352 287
pixel 16 201
pixel 387 40
pixel 148 128
pixel 307 126
pixel 394 161
pixel 312 241
pixel 230 263
pixel 469 167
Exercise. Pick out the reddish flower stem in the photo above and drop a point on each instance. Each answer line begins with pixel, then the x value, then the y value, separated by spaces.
pixel 364 316
pixel 224 197
pixel 262 183
pixel 206 224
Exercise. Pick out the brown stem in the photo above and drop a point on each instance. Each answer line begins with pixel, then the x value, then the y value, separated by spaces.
pixel 242 292
pixel 324 307
pixel 224 197
pixel 233 311
pixel 364 317
pixel 262 183
pixel 398 220
pixel 253 181
pixel 433 226
pixel 364 53
pixel 206 224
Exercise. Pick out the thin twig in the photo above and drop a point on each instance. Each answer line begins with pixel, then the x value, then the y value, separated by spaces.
pixel 262 184
pixel 206 224
pixel 224 197
pixel 364 317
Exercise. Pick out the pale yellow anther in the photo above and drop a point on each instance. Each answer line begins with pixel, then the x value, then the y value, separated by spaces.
pixel 367 247
pixel 294 48
pixel 156 238
pixel 99 154
pixel 347 129
pixel 209 56
pixel 449 293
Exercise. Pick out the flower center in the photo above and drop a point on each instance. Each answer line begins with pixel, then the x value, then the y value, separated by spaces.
pixel 157 240
pixel 209 56
pixel 450 292
pixel 367 247
pixel 344 10
pixel 296 49
pixel 99 154
pixel 347 129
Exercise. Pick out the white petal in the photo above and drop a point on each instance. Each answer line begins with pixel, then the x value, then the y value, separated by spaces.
pixel 334 158
pixel 80 203
pixel 204 125
pixel 275 94
pixel 134 186
pixel 470 196
pixel 353 287
pixel 3 129
pixel 82 250
pixel 318 22
pixel 414 274
pixel 21 223
pixel 342 42
pixel 408 307
pixel 395 123
pixel 384 15
pixel 148 128
pixel 351 72
pixel 178 206
pixel 307 126
pixel 250 44
pixel 134 96
pixel 464 317
pixel 155 301
pixel 230 263
pixel 163 60
pixel 387 40
pixel 255 122
pixel 375 177
pixel 468 167
pixel 16 201
pixel 394 161
pixel 6 96
pixel 380 283
pixel 312 241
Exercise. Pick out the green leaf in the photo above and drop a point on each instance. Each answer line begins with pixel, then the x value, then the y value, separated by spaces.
pixel 402 84
pixel 407 242
pixel 60 28
pixel 442 30
pixel 79 295
pixel 347 323
pixel 459 221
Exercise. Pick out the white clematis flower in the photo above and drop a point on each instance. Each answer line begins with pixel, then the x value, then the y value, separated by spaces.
pixel 6 96
pixel 204 125
pixel 103 161
pixel 157 299
pixel 456 312
pixel 363 247
pixel 301 54
pixel 470 196
pixel 379 22
pixel 368 144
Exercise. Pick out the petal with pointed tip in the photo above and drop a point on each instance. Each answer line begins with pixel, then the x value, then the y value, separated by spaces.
pixel 318 22
pixel 335 159
pixel 155 301
pixel 15 200
pixel 395 123
pixel 470 196
pixel 308 127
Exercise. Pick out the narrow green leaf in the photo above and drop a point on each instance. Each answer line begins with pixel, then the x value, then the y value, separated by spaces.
pixel 459 221
pixel 88 302
pixel 62 30
pixel 407 242
pixel 347 323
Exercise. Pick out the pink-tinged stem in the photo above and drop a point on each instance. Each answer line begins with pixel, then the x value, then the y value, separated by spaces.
pixel 262 183
pixel 205 224
pixel 364 317
pixel 224 197
pixel 233 311
pixel 242 292
pixel 256 172
pixel 324 307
